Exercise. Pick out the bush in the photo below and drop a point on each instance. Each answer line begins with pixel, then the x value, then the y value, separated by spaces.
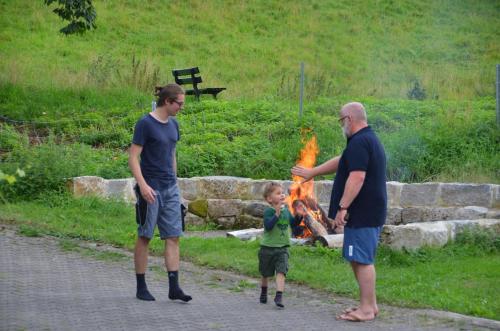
pixel 48 167
pixel 481 241
pixel 416 92
pixel 11 139
pixel 405 152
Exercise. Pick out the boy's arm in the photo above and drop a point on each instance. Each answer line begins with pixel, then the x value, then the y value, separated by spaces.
pixel 295 220
pixel 270 219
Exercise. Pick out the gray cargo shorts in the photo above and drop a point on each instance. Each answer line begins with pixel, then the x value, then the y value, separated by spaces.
pixel 165 212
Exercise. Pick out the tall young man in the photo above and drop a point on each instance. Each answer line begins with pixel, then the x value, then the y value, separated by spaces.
pixel 158 199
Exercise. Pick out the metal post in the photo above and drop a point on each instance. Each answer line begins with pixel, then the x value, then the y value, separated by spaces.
pixel 498 95
pixel 301 102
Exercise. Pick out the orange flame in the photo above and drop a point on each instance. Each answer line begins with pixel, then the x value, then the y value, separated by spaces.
pixel 305 191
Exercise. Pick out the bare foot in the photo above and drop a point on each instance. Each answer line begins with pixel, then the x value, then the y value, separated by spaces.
pixel 356 316
pixel 349 310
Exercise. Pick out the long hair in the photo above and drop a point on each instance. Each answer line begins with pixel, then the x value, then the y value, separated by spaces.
pixel 168 93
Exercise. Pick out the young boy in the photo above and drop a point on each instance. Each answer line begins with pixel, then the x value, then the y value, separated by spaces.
pixel 273 253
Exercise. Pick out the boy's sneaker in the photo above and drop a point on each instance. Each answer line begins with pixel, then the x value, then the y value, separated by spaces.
pixel 278 300
pixel 263 294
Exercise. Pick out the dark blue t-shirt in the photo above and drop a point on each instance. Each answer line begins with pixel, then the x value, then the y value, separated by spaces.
pixel 158 142
pixel 363 152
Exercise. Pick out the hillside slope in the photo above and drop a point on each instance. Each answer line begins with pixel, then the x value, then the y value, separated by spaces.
pixel 363 48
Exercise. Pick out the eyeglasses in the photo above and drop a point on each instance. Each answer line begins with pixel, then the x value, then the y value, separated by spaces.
pixel 341 120
pixel 180 104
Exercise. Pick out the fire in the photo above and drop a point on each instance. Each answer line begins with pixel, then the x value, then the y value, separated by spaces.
pixel 305 191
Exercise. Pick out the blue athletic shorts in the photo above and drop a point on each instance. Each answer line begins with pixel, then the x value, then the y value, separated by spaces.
pixel 165 212
pixel 360 244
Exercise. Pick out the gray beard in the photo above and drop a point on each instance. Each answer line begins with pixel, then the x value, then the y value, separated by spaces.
pixel 345 132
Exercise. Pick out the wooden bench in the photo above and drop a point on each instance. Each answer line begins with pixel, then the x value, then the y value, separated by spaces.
pixel 191 76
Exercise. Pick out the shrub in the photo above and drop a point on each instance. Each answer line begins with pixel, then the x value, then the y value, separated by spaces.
pixel 10 138
pixel 416 92
pixel 481 241
pixel 48 167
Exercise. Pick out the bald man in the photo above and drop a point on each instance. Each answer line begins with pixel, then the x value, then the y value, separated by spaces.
pixel 358 202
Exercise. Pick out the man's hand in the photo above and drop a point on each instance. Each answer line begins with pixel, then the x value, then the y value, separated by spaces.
pixel 305 173
pixel 340 217
pixel 148 193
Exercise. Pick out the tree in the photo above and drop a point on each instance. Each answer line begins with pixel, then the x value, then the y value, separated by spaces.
pixel 80 13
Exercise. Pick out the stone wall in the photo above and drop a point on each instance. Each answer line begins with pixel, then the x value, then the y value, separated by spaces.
pixel 237 203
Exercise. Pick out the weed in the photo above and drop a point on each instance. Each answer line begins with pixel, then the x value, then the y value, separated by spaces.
pixel 69 245
pixel 28 231
pixel 416 91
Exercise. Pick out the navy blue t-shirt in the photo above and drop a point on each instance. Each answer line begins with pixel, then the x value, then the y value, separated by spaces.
pixel 158 142
pixel 363 152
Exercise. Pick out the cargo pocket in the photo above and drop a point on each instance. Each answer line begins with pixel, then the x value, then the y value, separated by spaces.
pixel 141 207
pixel 183 216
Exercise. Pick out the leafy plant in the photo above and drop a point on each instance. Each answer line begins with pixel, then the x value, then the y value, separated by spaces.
pixel 80 14
pixel 10 138
pixel 417 91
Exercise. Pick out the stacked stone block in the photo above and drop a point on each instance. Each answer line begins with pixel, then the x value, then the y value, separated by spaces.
pixel 237 203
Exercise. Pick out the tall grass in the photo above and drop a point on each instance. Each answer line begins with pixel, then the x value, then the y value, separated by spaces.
pixel 364 48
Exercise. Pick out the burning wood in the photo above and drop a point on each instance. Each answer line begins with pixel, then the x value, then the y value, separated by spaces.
pixel 314 221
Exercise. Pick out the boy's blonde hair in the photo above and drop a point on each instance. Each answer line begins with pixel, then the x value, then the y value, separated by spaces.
pixel 269 188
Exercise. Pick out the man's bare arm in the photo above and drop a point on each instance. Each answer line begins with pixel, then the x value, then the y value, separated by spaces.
pixel 133 162
pixel 328 167
pixel 353 185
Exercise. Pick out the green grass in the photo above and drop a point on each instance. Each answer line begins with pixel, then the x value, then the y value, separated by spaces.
pixel 203 227
pixel 461 277
pixel 424 140
pixel 363 48
pixel 28 231
pixel 71 245
pixel 242 285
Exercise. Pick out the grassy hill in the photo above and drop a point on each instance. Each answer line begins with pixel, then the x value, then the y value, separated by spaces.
pixel 357 48
pixel 74 100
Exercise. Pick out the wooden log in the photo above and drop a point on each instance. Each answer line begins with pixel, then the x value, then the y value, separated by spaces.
pixel 246 234
pixel 320 215
pixel 332 240
pixel 316 227
pixel 300 241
